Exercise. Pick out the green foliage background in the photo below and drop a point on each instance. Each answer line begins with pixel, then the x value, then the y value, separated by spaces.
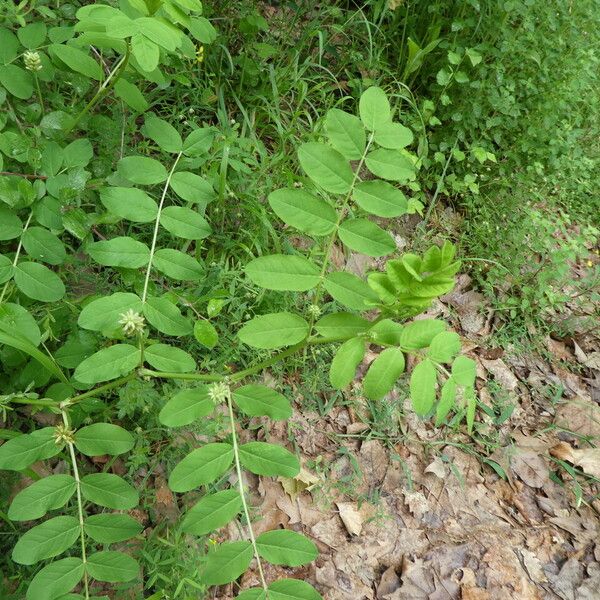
pixel 497 103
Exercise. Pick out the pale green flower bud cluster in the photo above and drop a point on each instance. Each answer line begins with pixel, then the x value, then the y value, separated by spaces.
pixel 32 61
pixel 131 322
pixel 218 392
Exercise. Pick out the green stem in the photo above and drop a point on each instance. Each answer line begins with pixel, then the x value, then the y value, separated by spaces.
pixel 438 188
pixel 238 468
pixel 333 236
pixel 39 92
pixel 79 508
pixel 108 84
pixel 156 226
pixel 17 253
pixel 313 341
pixel 101 389
pixel 183 376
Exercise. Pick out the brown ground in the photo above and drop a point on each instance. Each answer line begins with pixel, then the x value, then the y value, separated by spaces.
pixel 442 524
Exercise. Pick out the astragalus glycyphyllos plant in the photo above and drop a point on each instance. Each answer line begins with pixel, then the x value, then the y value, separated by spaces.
pixel 138 332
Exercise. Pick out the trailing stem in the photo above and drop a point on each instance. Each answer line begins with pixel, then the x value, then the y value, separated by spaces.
pixel 156 226
pixel 79 506
pixel 238 469
pixel 107 85
pixel 17 254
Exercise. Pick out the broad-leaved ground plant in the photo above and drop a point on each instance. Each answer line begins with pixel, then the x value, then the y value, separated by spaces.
pixel 144 225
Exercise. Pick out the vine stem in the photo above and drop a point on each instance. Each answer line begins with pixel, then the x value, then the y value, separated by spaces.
pixel 79 507
pixel 331 241
pixel 246 372
pixel 39 92
pixel 238 468
pixel 17 253
pixel 156 226
pixel 106 86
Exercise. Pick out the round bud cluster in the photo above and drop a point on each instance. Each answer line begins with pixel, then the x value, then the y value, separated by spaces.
pixel 218 392
pixel 131 322
pixel 32 61
pixel 63 434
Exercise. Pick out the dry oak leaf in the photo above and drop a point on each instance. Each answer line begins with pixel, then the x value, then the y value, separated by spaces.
pixel 351 517
pixel 530 468
pixel 587 458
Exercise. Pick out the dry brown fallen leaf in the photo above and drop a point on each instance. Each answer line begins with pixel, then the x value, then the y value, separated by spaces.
pixel 351 517
pixel 530 468
pixel 294 486
pixel 587 458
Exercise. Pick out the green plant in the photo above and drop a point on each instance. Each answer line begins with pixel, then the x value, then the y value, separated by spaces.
pixel 130 326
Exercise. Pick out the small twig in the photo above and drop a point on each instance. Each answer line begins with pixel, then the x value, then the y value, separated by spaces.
pixel 25 175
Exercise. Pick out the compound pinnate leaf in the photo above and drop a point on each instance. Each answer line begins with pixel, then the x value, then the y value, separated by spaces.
pixel 341 325
pixel 227 562
pixel 6 269
pixel 168 358
pixel 212 512
pixel 163 133
pixel 109 490
pixel 108 528
pixel 383 373
pixel 447 399
pixel 374 109
pixel 103 438
pixel 38 282
pixel 141 170
pixel 129 203
pixel 419 334
pixel 293 589
pixel 108 363
pixel 283 273
pixel 104 313
pixel 18 320
pixel 184 223
pixel 11 226
pixel 302 210
pixel 347 358
pixel 199 141
pixel 17 81
pixel 390 164
pixel 166 317
pixel 145 52
pixel 284 547
pixel 120 252
pixel 262 401
pixel 112 566
pixel 380 198
pixel 444 346
pixel 177 265
pixel 346 133
pixel 46 540
pixel 201 466
pixel 41 244
pixel 192 187
pixel 186 406
pixel 350 290
pixel 77 60
pixel 422 387
pixel 326 167
pixel 21 451
pixel 274 330
pixel 46 494
pixel 394 136
pixel 365 237
pixel 206 334
pixel 56 579
pixel 268 459
pixel 464 371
